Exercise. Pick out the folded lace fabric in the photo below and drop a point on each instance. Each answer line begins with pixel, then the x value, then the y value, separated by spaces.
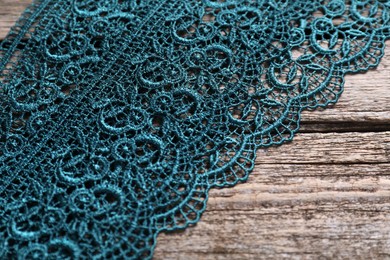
pixel 118 116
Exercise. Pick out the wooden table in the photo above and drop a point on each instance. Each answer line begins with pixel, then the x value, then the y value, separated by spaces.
pixel 324 195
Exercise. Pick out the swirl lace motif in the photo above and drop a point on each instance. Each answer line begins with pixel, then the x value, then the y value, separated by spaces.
pixel 118 116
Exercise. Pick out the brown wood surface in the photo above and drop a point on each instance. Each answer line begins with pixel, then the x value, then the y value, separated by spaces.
pixel 326 195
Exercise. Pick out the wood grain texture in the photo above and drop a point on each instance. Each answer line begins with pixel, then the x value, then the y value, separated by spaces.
pixel 10 11
pixel 322 196
pixel 326 195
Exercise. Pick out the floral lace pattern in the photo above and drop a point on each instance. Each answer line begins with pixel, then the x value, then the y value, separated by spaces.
pixel 118 116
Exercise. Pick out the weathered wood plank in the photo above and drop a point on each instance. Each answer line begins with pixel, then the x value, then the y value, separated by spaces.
pixel 365 99
pixel 10 11
pixel 330 148
pixel 326 226
pixel 318 197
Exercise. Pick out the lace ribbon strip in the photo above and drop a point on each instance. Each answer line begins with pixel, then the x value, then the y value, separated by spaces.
pixel 118 116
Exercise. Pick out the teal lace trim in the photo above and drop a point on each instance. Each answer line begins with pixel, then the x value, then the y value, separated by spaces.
pixel 118 116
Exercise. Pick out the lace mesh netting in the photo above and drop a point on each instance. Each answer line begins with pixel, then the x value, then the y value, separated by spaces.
pixel 118 116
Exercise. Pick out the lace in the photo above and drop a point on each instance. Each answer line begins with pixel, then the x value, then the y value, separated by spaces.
pixel 118 116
